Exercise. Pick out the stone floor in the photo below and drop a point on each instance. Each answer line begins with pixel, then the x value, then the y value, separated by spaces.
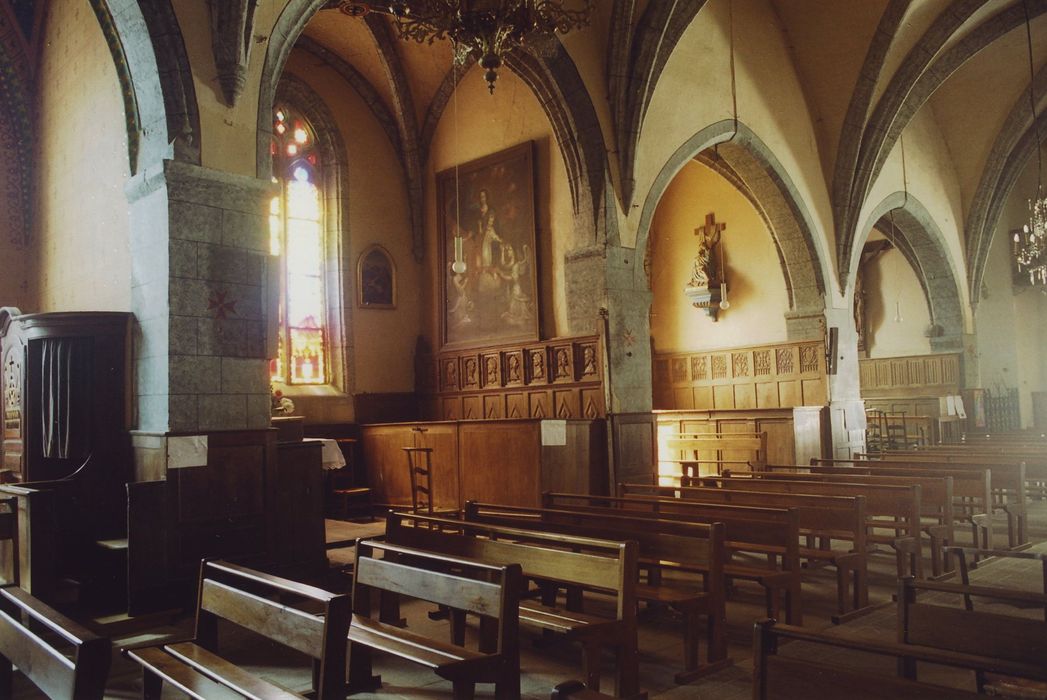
pixel 660 642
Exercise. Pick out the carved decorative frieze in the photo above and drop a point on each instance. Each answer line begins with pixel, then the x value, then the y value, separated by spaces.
pixel 740 363
pixel 768 376
pixel 809 355
pixel 561 379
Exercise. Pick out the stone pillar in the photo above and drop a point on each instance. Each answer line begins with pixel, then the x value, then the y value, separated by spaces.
pixel 199 249
pixel 846 407
pixel 602 277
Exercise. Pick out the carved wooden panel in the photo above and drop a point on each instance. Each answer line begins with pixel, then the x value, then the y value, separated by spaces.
pixel 918 375
pixel 517 381
pixel 770 376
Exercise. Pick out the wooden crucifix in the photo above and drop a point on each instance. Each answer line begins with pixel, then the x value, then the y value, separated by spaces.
pixel 708 238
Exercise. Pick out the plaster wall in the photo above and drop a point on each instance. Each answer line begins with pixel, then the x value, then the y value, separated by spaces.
pixel 755 283
pixel 694 91
pixel 487 124
pixel 81 228
pixel 382 341
pixel 896 308
pixel 1011 326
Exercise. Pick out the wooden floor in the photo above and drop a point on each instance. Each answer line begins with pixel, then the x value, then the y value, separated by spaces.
pixel 660 643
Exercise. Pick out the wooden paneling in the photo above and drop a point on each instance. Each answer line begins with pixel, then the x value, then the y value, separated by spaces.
pixel 635 447
pixel 910 377
pixel 759 377
pixel 501 461
pixel 558 379
pixel 792 433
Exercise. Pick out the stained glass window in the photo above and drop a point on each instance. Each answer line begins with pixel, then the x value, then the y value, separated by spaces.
pixel 296 236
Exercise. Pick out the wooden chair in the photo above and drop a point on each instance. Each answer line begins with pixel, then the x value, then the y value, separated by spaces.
pixel 494 594
pixel 350 496
pixel 22 618
pixel 235 593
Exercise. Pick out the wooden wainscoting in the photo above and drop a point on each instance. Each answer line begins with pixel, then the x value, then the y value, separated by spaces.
pixel 913 377
pixel 561 378
pixel 501 461
pixel 794 435
pixel 766 376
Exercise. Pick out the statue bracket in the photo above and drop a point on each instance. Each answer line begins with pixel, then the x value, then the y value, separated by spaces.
pixel 705 298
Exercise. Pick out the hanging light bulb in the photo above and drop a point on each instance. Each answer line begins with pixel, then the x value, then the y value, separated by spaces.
pixel 898 311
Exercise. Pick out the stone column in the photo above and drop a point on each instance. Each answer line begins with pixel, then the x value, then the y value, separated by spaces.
pixel 199 247
pixel 601 277
pixel 846 407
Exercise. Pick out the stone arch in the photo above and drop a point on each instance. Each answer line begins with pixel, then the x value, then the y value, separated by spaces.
pixel 151 63
pixel 335 183
pixel 919 239
pixel 778 203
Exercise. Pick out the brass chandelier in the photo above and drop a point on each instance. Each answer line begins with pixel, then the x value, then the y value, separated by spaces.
pixel 484 29
pixel 1030 244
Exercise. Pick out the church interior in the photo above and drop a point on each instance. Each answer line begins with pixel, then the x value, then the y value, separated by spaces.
pixel 479 342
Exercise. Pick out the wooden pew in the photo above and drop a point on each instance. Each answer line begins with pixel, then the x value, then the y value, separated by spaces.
pixel 971 490
pixel 240 595
pixel 60 675
pixel 606 566
pixel 1009 485
pixel 820 517
pixel 936 502
pixel 1015 640
pixel 887 507
pixel 763 527
pixel 698 547
pixel 493 592
pixel 962 553
pixel 778 676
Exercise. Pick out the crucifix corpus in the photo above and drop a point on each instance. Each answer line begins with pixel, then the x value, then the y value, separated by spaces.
pixel 704 290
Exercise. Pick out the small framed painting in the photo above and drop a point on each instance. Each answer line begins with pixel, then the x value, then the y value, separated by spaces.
pixel 376 279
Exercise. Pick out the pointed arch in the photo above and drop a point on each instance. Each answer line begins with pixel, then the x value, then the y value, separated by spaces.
pixel 922 244
pixel 792 228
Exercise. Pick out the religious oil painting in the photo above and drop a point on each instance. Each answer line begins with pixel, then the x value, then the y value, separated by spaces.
pixel 487 236
pixel 376 277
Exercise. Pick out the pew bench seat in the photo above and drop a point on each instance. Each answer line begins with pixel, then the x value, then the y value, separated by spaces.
pixel 203 675
pixel 447 660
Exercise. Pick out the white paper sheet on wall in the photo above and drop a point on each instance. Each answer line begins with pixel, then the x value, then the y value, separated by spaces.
pixel 186 451
pixel 554 432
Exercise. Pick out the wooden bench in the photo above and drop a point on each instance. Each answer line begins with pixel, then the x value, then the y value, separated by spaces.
pixel 824 518
pixel 695 547
pixel 789 677
pixel 980 557
pixel 1010 639
pixel 606 566
pixel 698 452
pixel 971 490
pixel 887 507
pixel 490 591
pixel 61 675
pixel 1009 486
pixel 760 526
pixel 937 502
pixel 244 597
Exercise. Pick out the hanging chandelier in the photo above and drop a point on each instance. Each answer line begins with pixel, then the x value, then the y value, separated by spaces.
pixel 484 29
pixel 1030 244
